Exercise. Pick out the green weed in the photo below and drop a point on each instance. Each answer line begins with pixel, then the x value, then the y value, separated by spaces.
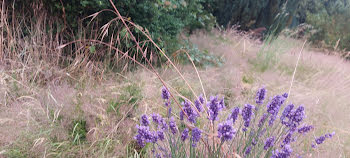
pixel 129 96
pixel 15 153
pixel 78 130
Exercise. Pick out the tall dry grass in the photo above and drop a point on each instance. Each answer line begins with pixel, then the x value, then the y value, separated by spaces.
pixel 37 55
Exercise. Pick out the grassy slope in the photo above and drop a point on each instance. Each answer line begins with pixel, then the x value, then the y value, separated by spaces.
pixel 44 118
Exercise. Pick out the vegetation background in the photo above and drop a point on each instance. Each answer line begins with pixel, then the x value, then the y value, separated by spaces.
pixel 70 70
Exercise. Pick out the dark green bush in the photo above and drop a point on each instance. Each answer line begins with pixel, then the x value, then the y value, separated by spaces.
pixel 330 19
pixel 163 20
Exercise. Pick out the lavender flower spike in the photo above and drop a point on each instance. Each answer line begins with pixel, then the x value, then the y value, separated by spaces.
pixel 144 120
pixel 247 113
pixel 321 139
pixel 269 142
pixel 305 129
pixel 196 136
pixel 191 113
pixel 234 115
pixel 172 126
pixel 214 107
pixel 226 131
pixel 262 120
pixel 285 153
pixel 160 135
pixel 165 93
pixel 295 117
pixel 199 102
pixel 184 134
pixel 286 112
pixel 274 105
pixel 247 151
pixel 260 96
pixel 156 118
pixel 144 135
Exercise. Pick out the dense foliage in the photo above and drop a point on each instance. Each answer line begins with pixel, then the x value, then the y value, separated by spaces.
pixel 330 19
pixel 163 19
pixel 250 14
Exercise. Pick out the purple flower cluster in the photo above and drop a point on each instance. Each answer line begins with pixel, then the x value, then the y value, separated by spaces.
pixel 144 120
pixel 305 129
pixel 286 112
pixel 274 105
pixel 166 96
pixel 295 117
pixel 158 120
pixel 184 134
pixel 247 151
pixel 190 112
pixel 160 135
pixel 199 102
pixel 214 106
pixel 172 126
pixel 226 130
pixel 196 136
pixel 284 153
pixel 234 115
pixel 247 113
pixel 277 146
pixel 288 139
pixel 262 120
pixel 269 142
pixel 165 93
pixel 321 139
pixel 145 135
pixel 260 96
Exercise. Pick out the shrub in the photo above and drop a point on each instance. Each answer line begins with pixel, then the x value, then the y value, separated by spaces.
pixel 330 19
pixel 257 131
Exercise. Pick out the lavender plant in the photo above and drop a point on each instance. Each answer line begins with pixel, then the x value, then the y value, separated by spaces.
pixel 205 131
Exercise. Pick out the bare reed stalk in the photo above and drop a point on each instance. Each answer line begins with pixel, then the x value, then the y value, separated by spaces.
pixel 295 68
pixel 2 19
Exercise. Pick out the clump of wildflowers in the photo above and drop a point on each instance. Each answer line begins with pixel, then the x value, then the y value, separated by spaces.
pixel 196 136
pixel 226 131
pixel 247 113
pixel 234 115
pixel 262 120
pixel 165 93
pixel 184 134
pixel 286 112
pixel 144 135
pixel 144 120
pixel 269 142
pixel 260 96
pixel 247 151
pixel 321 139
pixel 199 102
pixel 250 137
pixel 190 112
pixel 295 117
pixel 172 125
pixel 285 152
pixel 214 107
pixel 305 129
pixel 274 105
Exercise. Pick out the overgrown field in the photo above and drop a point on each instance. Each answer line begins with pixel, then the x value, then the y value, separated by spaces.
pixel 81 116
